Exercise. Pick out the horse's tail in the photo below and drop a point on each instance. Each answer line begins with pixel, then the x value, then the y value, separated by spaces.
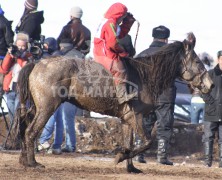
pixel 23 115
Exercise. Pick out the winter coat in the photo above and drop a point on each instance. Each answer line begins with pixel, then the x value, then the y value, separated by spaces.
pixel 213 100
pixel 127 44
pixel 168 95
pixel 154 47
pixel 77 34
pixel 10 68
pixel 31 24
pixel 109 32
pixel 6 35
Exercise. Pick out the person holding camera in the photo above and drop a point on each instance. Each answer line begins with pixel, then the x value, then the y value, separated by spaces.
pixel 16 57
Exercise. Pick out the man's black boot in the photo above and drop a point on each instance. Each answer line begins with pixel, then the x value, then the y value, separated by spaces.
pixel 208 151
pixel 162 153
pixel 220 155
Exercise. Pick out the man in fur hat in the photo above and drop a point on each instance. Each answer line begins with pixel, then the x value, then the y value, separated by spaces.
pixel 164 109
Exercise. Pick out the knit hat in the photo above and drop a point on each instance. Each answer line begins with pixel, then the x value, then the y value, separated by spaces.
pixel 22 36
pixel 76 12
pixel 51 42
pixel 31 4
pixel 161 32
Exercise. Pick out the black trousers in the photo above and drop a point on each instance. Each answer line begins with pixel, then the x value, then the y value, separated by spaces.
pixel 210 129
pixel 165 119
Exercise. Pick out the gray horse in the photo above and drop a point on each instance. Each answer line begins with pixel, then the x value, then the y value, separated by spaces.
pixel 86 84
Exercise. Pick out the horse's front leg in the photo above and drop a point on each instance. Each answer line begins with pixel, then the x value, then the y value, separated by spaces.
pixel 128 145
pixel 136 123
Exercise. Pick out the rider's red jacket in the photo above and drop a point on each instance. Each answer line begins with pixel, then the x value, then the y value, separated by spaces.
pixel 106 39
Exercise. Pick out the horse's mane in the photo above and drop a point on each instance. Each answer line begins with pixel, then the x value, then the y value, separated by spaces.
pixel 158 71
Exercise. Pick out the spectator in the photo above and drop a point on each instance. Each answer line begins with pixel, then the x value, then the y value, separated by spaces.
pixel 76 33
pixel 197 102
pixel 6 34
pixel 17 56
pixel 164 108
pixel 213 114
pixel 31 21
pixel 49 47
pixel 64 116
pixel 71 45
pixel 108 51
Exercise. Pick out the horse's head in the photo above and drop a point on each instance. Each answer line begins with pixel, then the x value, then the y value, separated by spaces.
pixel 192 69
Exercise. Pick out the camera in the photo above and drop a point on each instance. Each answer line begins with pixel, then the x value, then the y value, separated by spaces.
pixel 36 48
pixel 15 51
pixel 36 52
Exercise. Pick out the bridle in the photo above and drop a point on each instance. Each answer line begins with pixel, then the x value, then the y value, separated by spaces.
pixel 186 68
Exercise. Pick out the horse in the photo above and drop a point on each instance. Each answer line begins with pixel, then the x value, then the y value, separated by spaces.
pixel 88 85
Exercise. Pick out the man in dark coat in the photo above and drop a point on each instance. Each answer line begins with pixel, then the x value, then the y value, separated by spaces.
pixel 31 21
pixel 6 34
pixel 164 108
pixel 76 33
pixel 213 114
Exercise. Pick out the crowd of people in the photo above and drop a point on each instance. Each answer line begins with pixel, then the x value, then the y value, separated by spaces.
pixel 111 43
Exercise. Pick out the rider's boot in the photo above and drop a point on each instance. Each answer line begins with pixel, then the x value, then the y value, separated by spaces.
pixel 162 153
pixel 208 153
pixel 122 95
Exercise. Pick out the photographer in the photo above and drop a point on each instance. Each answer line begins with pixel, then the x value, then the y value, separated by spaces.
pixel 16 57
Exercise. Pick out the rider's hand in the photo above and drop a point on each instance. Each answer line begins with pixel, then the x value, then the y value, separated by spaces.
pixel 129 19
pixel 123 54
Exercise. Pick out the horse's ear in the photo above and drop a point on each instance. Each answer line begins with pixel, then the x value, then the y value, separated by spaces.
pixel 190 41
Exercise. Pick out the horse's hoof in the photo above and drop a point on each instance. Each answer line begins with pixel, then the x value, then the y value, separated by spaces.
pixel 23 161
pixel 36 165
pixel 132 169
pixel 119 158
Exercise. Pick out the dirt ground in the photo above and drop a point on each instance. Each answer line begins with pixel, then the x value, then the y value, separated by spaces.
pixel 99 166
pixel 97 141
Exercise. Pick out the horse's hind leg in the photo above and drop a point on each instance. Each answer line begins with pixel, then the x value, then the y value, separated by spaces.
pixel 128 144
pixel 23 156
pixel 32 132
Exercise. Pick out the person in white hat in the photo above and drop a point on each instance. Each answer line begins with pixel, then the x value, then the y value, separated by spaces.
pixel 75 32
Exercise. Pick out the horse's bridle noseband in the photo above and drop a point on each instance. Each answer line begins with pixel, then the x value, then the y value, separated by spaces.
pixel 186 69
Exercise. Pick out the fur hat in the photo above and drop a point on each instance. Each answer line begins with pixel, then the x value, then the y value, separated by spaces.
pixel 22 36
pixel 31 4
pixel 76 12
pixel 219 53
pixel 161 32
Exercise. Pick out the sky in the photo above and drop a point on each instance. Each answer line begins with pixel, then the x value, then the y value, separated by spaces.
pixel 202 17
